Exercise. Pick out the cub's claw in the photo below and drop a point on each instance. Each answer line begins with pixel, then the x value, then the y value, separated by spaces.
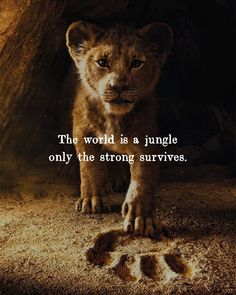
pixel 136 222
pixel 96 205
pixel 138 226
pixel 91 205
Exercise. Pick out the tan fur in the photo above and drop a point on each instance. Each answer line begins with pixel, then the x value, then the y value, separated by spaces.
pixel 118 99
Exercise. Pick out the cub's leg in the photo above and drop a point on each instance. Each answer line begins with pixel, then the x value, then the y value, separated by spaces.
pixel 95 182
pixel 138 209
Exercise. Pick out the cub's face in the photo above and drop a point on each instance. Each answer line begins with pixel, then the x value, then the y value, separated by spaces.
pixel 119 66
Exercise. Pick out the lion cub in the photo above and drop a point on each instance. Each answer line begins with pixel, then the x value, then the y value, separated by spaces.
pixel 119 69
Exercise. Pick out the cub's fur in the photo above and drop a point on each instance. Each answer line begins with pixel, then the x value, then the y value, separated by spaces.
pixel 119 69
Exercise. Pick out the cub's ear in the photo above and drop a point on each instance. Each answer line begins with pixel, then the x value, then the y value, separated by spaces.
pixel 159 35
pixel 77 35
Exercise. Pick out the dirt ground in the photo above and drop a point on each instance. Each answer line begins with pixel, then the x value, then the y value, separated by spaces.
pixel 46 247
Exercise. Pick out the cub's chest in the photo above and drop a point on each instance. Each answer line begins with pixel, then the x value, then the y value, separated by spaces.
pixel 115 129
pixel 102 126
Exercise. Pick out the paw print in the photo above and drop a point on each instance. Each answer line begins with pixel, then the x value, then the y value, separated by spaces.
pixel 135 258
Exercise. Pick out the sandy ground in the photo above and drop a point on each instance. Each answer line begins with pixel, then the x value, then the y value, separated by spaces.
pixel 48 248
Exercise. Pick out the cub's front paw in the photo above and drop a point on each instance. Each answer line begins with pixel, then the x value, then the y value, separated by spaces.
pixel 139 218
pixel 92 205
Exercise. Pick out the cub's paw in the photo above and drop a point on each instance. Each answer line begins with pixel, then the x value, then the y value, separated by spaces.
pixel 92 205
pixel 137 220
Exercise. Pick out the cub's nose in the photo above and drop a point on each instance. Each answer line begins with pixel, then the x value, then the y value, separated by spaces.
pixel 120 87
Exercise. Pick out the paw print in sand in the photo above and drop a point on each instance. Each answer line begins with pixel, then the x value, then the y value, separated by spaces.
pixel 135 258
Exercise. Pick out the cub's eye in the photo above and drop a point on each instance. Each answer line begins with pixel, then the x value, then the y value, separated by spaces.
pixel 136 63
pixel 103 62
